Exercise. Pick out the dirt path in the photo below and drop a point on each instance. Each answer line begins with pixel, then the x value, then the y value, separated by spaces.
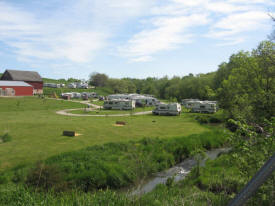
pixel 67 112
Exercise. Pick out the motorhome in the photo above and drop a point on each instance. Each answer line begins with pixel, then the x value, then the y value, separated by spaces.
pixel 167 109
pixel 119 104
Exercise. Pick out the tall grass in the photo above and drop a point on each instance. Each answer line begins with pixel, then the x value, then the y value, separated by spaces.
pixel 117 165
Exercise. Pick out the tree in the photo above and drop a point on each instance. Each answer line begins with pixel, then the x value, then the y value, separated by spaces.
pixel 98 80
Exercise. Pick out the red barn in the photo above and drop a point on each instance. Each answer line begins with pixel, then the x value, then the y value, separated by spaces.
pixel 30 77
pixel 15 88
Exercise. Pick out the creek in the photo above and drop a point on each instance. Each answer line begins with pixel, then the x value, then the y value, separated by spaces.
pixel 178 172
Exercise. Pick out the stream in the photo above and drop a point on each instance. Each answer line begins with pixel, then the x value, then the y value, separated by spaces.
pixel 179 172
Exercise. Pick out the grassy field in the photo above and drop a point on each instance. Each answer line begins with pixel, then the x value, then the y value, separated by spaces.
pixel 36 129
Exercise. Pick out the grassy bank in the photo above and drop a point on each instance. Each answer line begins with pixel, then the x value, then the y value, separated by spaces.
pixel 112 165
pixel 216 184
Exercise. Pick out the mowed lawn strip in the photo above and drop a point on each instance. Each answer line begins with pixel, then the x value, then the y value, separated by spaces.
pixel 36 129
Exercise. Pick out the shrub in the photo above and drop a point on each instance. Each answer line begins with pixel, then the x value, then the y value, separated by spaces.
pixel 6 138
pixel 202 119
pixel 46 177
pixel 231 125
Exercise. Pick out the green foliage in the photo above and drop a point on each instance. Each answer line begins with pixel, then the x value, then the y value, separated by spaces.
pixel 98 80
pixel 46 177
pixel 5 138
pixel 117 165
pixel 218 117
pixel 246 84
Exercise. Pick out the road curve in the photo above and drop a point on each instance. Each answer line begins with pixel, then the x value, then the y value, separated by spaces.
pixel 66 112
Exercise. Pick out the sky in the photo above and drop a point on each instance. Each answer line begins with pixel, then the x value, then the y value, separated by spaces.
pixel 128 38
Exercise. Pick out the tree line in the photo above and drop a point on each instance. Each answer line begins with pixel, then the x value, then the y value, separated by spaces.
pixel 244 86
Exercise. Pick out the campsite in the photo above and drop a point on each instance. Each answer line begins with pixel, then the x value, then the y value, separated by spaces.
pixel 137 103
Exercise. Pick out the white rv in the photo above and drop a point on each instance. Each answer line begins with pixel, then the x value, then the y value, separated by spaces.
pixel 71 85
pixel 185 102
pixel 119 104
pixel 203 106
pixel 167 109
pixel 141 100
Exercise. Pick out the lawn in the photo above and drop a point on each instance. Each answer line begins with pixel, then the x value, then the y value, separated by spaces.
pixel 36 129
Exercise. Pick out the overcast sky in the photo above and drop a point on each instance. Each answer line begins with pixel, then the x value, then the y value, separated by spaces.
pixel 128 38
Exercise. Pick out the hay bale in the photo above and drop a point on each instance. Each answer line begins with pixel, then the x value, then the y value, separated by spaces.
pixel 120 123
pixel 69 133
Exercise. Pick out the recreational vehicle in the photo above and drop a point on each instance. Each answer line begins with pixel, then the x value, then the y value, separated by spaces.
pixel 203 107
pixel 71 85
pixel 119 104
pixel 185 102
pixel 141 100
pixel 167 109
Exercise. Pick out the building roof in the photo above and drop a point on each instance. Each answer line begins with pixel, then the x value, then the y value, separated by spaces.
pixel 18 75
pixel 14 84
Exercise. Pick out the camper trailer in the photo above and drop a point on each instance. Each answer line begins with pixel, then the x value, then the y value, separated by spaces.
pixel 167 109
pixel 141 100
pixel 204 107
pixel 71 85
pixel 119 104
pixel 185 102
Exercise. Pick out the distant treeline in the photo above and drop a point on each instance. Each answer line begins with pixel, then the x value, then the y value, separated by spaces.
pixel 244 86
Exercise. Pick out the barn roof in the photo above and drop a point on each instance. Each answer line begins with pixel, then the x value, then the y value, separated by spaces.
pixel 18 75
pixel 14 84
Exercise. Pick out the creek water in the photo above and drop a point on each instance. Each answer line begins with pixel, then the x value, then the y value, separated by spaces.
pixel 179 172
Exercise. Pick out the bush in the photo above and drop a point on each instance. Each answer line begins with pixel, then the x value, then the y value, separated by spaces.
pixel 46 177
pixel 202 119
pixel 6 138
pixel 231 125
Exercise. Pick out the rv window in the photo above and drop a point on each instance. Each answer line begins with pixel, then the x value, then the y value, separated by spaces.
pixel 202 106
pixel 162 108
pixel 110 102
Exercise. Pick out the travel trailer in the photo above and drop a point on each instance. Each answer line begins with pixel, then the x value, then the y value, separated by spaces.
pixel 119 104
pixel 141 100
pixel 167 109
pixel 184 102
pixel 71 85
pixel 203 106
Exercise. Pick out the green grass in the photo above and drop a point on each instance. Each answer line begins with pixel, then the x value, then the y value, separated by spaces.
pixel 36 129
pixel 113 165
pixel 99 103
pixel 107 112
